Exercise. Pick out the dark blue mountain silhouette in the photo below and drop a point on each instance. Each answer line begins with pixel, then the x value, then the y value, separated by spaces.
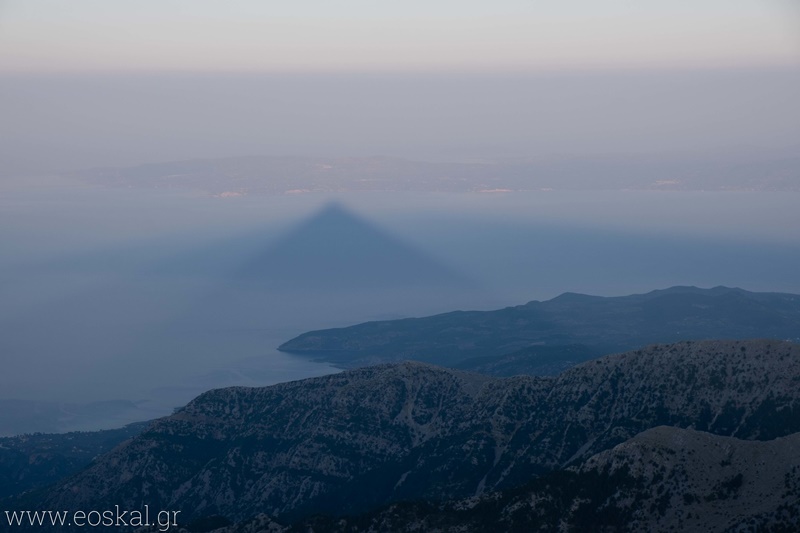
pixel 336 249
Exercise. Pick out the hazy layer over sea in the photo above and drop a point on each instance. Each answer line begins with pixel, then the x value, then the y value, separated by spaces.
pixel 133 294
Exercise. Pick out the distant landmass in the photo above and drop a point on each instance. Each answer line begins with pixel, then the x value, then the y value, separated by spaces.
pixel 545 337
pixel 692 435
pixel 538 360
pixel 30 416
pixel 237 176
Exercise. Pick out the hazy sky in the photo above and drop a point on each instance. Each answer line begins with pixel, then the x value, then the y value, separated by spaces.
pixel 319 35
pixel 95 82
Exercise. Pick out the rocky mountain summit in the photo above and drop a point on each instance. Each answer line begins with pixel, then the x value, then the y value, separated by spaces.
pixel 664 479
pixel 353 442
pixel 701 482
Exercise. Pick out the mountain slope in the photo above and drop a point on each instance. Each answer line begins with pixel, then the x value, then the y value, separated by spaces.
pixel 604 324
pixel 664 479
pixel 539 360
pixel 353 441
pixel 36 460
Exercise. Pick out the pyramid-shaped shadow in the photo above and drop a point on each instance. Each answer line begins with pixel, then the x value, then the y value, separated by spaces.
pixel 335 249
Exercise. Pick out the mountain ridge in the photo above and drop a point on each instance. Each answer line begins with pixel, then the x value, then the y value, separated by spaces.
pixel 351 442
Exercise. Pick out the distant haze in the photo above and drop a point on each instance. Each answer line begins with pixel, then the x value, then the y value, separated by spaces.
pixel 53 123
pixel 90 82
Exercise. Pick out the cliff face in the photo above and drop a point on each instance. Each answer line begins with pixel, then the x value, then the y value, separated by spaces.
pixel 356 440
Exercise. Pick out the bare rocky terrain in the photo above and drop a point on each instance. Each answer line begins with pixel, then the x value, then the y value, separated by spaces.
pixel 354 442
pixel 664 479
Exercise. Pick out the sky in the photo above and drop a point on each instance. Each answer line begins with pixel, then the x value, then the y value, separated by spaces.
pixel 90 83
pixel 46 36
pixel 314 35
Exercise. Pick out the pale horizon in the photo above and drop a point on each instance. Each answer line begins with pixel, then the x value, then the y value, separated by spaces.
pixel 357 36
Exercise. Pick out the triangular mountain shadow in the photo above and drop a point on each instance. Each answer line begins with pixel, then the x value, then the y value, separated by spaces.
pixel 336 249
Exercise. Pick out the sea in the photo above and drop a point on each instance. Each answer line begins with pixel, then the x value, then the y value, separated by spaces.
pixel 118 305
